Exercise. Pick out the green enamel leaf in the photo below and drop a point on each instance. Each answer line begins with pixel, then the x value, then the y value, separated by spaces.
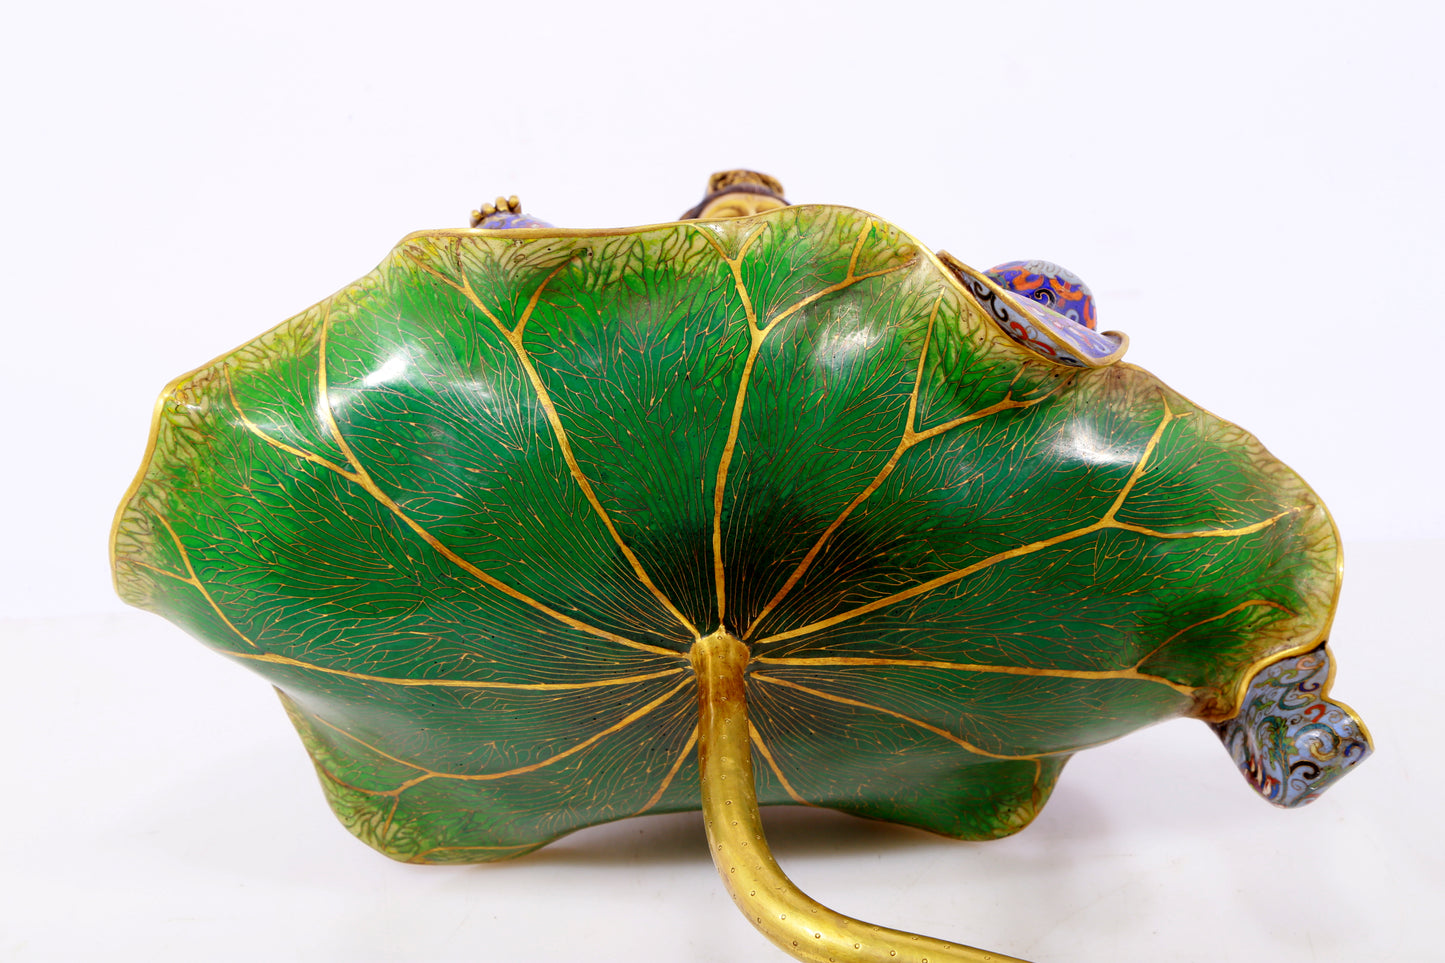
pixel 469 515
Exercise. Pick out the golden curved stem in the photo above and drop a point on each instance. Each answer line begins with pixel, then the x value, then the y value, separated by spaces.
pixel 794 922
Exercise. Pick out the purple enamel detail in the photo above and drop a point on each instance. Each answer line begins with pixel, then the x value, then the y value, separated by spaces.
pixel 1048 284
pixel 504 221
pixel 1041 329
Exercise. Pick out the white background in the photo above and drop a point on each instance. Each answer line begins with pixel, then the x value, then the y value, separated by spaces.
pixel 1252 191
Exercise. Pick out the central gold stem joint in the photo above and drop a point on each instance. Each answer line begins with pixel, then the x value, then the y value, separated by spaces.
pixel 796 923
